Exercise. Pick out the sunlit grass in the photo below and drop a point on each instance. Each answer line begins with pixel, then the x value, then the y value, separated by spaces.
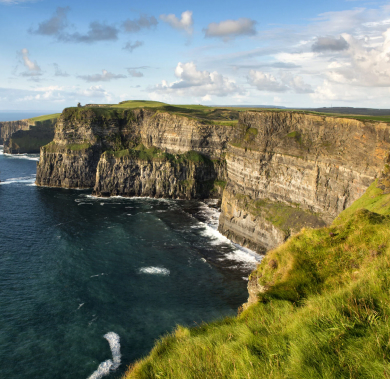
pixel 324 313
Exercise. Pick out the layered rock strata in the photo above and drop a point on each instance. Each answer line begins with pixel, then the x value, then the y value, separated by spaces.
pixel 284 170
pixel 7 128
pixel 26 136
pixel 313 164
pixel 158 177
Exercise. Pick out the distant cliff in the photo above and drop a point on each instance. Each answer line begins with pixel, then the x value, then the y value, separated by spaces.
pixel 26 136
pixel 7 128
pixel 278 171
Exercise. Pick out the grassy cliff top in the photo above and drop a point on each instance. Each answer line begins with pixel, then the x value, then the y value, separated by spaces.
pixel 224 115
pixel 324 311
pixel 215 115
pixel 45 117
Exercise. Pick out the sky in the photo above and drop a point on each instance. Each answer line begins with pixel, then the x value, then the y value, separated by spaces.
pixel 298 53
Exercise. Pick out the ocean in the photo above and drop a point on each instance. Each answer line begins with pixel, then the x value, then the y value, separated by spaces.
pixel 87 280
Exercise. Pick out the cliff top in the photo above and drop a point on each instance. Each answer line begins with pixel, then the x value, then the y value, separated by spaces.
pixel 211 114
pixel 45 117
pixel 230 113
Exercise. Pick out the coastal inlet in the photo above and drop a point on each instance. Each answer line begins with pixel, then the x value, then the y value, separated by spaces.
pixel 74 267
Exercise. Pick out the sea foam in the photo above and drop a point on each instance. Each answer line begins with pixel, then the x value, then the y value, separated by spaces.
pixel 106 367
pixel 154 270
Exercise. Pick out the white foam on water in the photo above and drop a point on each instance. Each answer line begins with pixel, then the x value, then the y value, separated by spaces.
pixel 25 179
pixel 244 256
pixel 110 365
pixel 94 276
pixel 29 157
pixel 154 270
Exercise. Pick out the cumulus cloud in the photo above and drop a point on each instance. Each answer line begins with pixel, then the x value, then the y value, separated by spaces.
pixel 144 22
pixel 324 44
pixel 134 73
pixel 363 64
pixel 299 86
pixel 193 82
pixel 131 46
pixel 231 28
pixel 287 82
pixel 58 71
pixel 265 82
pixel 54 25
pixel 105 76
pixel 184 23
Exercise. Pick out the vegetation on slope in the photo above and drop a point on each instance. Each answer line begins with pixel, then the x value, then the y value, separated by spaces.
pixel 45 117
pixel 324 312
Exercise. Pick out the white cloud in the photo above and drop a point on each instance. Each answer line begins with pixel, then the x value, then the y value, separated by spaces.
pixel 193 82
pixel 231 28
pixel 184 23
pixel 265 82
pixel 33 71
pixel 105 76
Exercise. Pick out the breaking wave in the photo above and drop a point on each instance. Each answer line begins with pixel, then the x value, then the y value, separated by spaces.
pixel 154 270
pixel 110 365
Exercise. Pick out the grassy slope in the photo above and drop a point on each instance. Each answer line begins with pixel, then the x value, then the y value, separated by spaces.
pixel 324 314
pixel 45 117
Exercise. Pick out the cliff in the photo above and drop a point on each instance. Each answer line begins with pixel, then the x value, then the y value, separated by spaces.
pixel 289 170
pixel 282 170
pixel 7 128
pixel 27 136
pixel 75 159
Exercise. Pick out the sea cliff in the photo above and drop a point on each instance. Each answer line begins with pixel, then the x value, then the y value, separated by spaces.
pixel 275 171
pixel 27 136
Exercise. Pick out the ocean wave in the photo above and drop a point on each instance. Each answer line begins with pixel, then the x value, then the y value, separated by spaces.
pixel 24 179
pixel 154 270
pixel 110 365
pixel 30 157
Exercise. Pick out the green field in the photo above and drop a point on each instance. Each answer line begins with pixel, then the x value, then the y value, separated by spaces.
pixel 45 117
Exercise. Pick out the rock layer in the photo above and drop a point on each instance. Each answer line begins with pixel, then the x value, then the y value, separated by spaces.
pixel 284 170
pixel 26 136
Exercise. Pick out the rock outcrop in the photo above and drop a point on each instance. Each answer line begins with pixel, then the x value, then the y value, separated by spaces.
pixel 282 170
pixel 7 128
pixel 26 136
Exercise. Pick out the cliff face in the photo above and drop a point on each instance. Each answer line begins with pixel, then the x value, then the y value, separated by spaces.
pixel 82 135
pixel 26 136
pixel 284 170
pixel 159 177
pixel 319 164
pixel 178 134
pixel 7 128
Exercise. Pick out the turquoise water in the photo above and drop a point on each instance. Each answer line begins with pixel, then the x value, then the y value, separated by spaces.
pixel 74 267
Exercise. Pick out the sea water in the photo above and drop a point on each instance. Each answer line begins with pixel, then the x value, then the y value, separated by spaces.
pixel 88 284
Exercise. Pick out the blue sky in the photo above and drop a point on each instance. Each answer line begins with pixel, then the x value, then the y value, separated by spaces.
pixel 291 53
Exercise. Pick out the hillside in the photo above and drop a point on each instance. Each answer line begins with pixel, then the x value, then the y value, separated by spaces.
pixel 320 308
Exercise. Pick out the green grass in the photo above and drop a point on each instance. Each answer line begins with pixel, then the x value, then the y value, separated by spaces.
pixel 324 311
pixel 224 116
pixel 45 117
